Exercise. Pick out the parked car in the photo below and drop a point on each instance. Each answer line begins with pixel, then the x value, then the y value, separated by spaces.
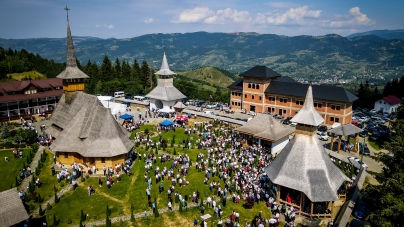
pixel 355 159
pixel 365 150
pixel 293 124
pixel 321 129
pixel 375 134
pixel 218 106
pixel 210 106
pixel 287 121
pixel 126 103
pixel 323 136
pixel 128 96
pixel 364 133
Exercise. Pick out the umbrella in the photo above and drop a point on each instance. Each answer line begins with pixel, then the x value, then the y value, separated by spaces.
pixel 166 123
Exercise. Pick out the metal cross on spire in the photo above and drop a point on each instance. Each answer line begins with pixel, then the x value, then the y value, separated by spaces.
pixel 311 77
pixel 67 12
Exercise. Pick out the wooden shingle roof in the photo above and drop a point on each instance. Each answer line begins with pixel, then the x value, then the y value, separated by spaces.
pixel 12 210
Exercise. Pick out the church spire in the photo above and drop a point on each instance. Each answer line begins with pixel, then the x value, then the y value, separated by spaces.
pixel 308 115
pixel 164 69
pixel 71 71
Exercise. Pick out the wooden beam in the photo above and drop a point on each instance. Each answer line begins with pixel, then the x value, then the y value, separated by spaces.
pixel 339 143
pixel 332 209
pixel 311 209
pixel 332 141
pixel 355 149
pixel 278 194
pixel 301 203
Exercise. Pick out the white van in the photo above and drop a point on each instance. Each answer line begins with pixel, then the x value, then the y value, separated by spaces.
pixel 140 98
pixel 119 94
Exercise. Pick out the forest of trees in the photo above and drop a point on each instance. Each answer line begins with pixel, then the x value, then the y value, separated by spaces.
pixel 23 61
pixel 132 78
pixel 368 96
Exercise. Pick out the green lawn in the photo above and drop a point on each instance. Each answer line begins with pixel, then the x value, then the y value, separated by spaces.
pixel 131 191
pixel 168 136
pixel 10 170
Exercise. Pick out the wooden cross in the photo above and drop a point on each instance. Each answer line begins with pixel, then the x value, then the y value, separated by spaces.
pixel 67 12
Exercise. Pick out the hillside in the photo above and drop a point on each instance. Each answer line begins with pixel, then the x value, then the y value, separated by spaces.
pixel 208 75
pixel 300 56
pixel 30 75
pixel 385 34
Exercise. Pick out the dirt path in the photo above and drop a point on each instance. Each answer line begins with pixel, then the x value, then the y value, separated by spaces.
pixel 34 164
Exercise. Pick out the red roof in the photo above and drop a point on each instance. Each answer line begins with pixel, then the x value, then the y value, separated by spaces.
pixel 19 86
pixel 392 100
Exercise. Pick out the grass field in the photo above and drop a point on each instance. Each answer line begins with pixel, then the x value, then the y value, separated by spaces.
pixel 34 75
pixel 10 170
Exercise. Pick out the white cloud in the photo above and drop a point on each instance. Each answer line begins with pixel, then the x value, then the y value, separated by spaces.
pixel 292 16
pixel 356 18
pixel 149 20
pixel 229 15
pixel 194 15
pixel 110 26
pixel 97 26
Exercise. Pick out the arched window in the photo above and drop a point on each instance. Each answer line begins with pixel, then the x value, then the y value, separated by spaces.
pixel 253 86
pixel 258 86
pixel 249 85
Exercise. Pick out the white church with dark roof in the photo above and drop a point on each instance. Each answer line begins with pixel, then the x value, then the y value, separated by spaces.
pixel 165 95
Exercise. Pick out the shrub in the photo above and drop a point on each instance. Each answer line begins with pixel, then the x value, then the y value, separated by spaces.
pixel 41 212
pixel 132 217
pixel 69 221
pixel 56 198
pixel 82 216
pixel 39 199
pixel 48 206
pixel 87 176
pixel 31 206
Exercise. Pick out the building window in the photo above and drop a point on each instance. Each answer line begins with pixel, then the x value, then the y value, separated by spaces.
pixel 336 119
pixel 253 86
pixel 260 97
pixel 380 102
pixel 319 105
pixel 258 86
pixel 239 104
pixel 249 85
pixel 252 96
pixel 245 96
pixel 334 107
pixel 284 111
pixel 102 160
pixel 283 100
pixel 331 118
pixel 232 93
pixel 299 102
pixel 270 98
pixel 66 155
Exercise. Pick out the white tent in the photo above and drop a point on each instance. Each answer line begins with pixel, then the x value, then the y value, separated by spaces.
pixel 115 107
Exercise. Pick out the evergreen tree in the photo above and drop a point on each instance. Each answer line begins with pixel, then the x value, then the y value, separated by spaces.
pixel 385 200
pixel 5 133
pixel 56 198
pixel 136 71
pixel 153 78
pixel 82 216
pixel 106 69
pixel 55 222
pixel 126 71
pixel 156 213
pixel 41 212
pixel 118 69
pixel 145 75
pixel 132 217
pixel 387 89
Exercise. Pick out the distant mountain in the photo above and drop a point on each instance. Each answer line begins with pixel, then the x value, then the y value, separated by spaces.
pixel 298 56
pixel 385 34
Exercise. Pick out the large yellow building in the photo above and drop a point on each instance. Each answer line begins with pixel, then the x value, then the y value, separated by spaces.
pixel 261 89
pixel 85 131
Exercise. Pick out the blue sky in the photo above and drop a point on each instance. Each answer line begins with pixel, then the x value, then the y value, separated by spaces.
pixel 130 18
